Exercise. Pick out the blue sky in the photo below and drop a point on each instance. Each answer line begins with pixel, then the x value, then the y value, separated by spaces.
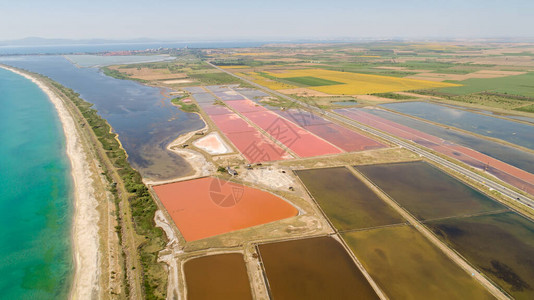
pixel 209 19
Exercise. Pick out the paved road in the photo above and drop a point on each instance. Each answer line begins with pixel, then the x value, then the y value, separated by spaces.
pixel 422 152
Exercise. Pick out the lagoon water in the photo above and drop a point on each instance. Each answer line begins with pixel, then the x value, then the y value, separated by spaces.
pixel 510 131
pixel 145 120
pixel 36 198
pixel 93 48
pixel 88 61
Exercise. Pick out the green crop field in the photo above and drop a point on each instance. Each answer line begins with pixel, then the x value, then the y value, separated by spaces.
pixel 522 85
pixel 312 81
pixel 214 78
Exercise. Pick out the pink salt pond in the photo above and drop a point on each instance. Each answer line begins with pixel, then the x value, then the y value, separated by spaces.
pixel 212 144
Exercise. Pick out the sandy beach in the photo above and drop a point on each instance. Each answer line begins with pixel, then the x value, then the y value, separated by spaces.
pixel 85 228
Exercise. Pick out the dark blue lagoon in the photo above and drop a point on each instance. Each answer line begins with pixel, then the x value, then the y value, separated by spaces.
pixel 145 120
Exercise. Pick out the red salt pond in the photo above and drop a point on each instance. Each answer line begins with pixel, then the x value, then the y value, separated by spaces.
pixel 256 147
pixel 340 136
pixel 214 109
pixel 229 123
pixel 244 106
pixel 248 140
pixel 209 206
pixel 296 138
pixel 344 138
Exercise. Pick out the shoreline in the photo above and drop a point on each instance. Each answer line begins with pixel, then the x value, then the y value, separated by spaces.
pixel 85 218
pixel 199 165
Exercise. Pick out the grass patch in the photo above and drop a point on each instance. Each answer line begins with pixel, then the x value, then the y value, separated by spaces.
pixel 528 108
pixel 190 108
pixel 186 107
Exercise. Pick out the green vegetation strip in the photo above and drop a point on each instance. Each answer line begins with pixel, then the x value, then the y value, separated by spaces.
pixel 142 204
pixel 393 96
pixel 312 81
pixel 494 100
pixel 119 75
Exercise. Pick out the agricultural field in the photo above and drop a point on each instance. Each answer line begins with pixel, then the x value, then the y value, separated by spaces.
pixel 266 82
pixel 498 76
pixel 354 83
pixel 518 85
pixel 312 81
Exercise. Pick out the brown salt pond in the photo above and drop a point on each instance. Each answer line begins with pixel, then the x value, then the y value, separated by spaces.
pixel 348 202
pixel 222 276
pixel 209 206
pixel 427 192
pixel 315 268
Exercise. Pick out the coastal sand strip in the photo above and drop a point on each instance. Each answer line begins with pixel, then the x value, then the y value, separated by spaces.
pixel 85 220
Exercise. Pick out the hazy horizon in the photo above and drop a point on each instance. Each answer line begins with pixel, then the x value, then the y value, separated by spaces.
pixel 273 20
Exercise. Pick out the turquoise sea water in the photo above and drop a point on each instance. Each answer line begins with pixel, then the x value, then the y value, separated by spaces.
pixel 35 198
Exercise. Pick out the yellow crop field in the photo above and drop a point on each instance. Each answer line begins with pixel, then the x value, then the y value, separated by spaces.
pixel 360 84
pixel 268 83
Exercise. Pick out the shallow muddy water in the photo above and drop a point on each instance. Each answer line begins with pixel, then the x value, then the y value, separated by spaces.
pixel 222 276
pixel 407 266
pixel 427 192
pixel 500 246
pixel 348 202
